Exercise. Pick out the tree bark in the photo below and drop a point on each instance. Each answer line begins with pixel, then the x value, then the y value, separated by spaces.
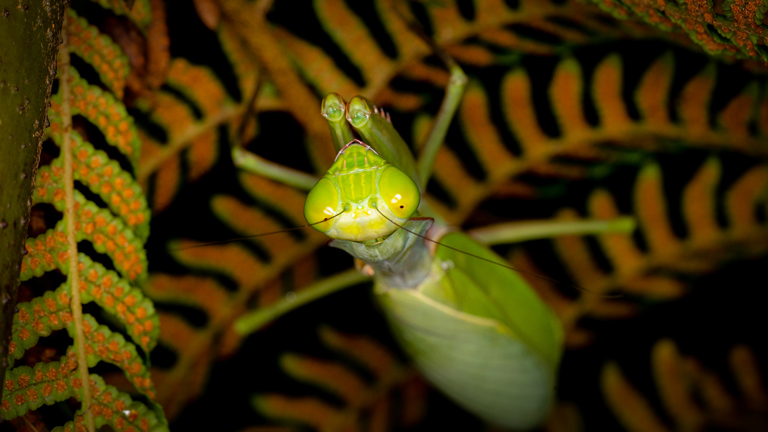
pixel 30 33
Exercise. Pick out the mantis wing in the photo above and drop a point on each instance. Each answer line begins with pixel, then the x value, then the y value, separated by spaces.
pixel 480 334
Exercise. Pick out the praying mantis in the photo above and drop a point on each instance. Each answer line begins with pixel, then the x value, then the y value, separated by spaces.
pixel 471 323
pixel 476 330
pixel 473 326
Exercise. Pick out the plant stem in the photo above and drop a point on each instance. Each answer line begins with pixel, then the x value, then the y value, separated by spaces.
pixel 70 215
pixel 257 319
pixel 515 232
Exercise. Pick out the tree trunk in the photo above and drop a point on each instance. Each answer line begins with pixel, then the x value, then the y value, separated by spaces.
pixel 30 34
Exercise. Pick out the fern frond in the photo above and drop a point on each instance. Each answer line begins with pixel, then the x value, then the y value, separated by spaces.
pixel 195 345
pixel 107 233
pixel 245 65
pixel 140 12
pixel 542 151
pixel 29 388
pixel 47 314
pixel 653 270
pixel 732 28
pixel 195 291
pixel 47 383
pixel 191 124
pixel 692 396
pixel 533 27
pixel 114 294
pixel 104 345
pixel 100 51
pixel 113 216
pixel 364 351
pixel 103 111
pixel 365 405
pixel 105 178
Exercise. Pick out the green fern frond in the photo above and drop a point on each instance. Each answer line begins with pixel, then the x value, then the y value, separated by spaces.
pixel 107 233
pixel 117 227
pixel 104 345
pixel 105 112
pixel 100 51
pixel 47 383
pixel 107 289
pixel 105 178
pixel 29 388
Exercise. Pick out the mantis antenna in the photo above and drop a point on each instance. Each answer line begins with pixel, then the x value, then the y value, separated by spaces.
pixel 232 240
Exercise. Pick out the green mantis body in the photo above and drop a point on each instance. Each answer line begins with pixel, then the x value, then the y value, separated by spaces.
pixel 475 329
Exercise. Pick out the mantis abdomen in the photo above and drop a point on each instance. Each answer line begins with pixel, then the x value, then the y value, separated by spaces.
pixel 479 334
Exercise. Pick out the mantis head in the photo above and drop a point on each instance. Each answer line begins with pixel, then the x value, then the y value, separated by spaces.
pixel 358 195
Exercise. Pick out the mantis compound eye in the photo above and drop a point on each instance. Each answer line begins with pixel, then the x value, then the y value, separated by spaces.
pixel 399 192
pixel 322 202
